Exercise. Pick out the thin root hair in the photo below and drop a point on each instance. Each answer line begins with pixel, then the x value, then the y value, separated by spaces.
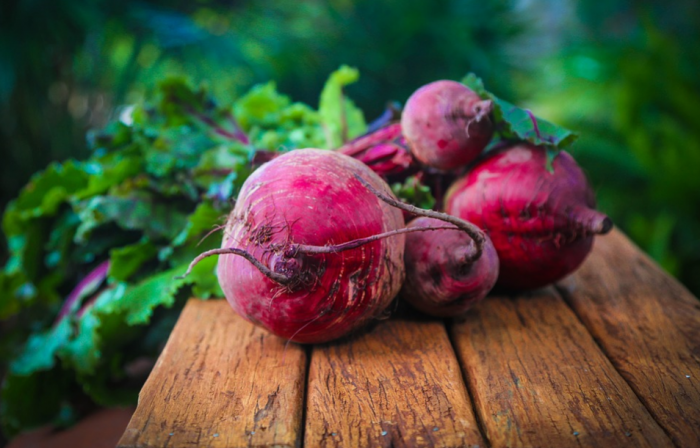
pixel 470 229
pixel 209 233
pixel 274 276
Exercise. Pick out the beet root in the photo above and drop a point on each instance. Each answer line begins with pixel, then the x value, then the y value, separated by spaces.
pixel 446 124
pixel 311 198
pixel 541 223
pixel 442 279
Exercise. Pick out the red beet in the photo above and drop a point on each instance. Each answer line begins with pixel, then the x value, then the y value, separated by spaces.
pixel 541 223
pixel 288 209
pixel 442 279
pixel 446 124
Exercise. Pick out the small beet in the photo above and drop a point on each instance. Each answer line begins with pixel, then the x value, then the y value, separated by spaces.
pixel 541 223
pixel 446 124
pixel 442 279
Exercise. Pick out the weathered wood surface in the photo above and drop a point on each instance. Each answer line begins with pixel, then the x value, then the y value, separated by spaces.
pixel 538 378
pixel 648 325
pixel 610 358
pixel 221 382
pixel 398 385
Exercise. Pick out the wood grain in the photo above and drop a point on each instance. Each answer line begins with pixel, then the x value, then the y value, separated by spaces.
pixel 539 380
pixel 649 327
pixel 220 382
pixel 398 385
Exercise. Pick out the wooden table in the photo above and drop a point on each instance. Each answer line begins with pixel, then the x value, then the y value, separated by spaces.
pixel 610 357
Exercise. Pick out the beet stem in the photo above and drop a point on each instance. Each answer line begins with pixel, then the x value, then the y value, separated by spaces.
pixel 274 276
pixel 307 249
pixel 534 123
pixel 239 132
pixel 391 113
pixel 94 278
pixel 473 231
pixel 383 135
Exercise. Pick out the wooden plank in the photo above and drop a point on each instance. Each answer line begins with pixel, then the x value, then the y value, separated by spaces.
pixel 648 324
pixel 398 385
pixel 538 378
pixel 220 382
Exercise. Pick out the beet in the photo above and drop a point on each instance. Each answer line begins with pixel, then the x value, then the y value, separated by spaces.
pixel 311 198
pixel 446 124
pixel 442 279
pixel 541 223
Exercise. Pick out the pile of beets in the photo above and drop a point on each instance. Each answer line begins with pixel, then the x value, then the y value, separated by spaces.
pixel 317 244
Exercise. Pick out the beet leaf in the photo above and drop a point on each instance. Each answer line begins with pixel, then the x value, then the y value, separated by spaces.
pixel 515 123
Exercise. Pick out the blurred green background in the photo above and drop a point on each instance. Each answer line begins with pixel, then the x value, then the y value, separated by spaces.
pixel 623 74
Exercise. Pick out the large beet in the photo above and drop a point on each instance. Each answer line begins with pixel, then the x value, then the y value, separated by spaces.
pixel 541 223
pixel 299 201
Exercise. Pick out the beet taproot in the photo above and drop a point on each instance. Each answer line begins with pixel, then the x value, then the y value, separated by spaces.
pixel 541 223
pixel 446 124
pixel 442 277
pixel 311 197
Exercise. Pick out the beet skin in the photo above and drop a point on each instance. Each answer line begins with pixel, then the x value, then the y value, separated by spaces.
pixel 441 278
pixel 311 198
pixel 541 223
